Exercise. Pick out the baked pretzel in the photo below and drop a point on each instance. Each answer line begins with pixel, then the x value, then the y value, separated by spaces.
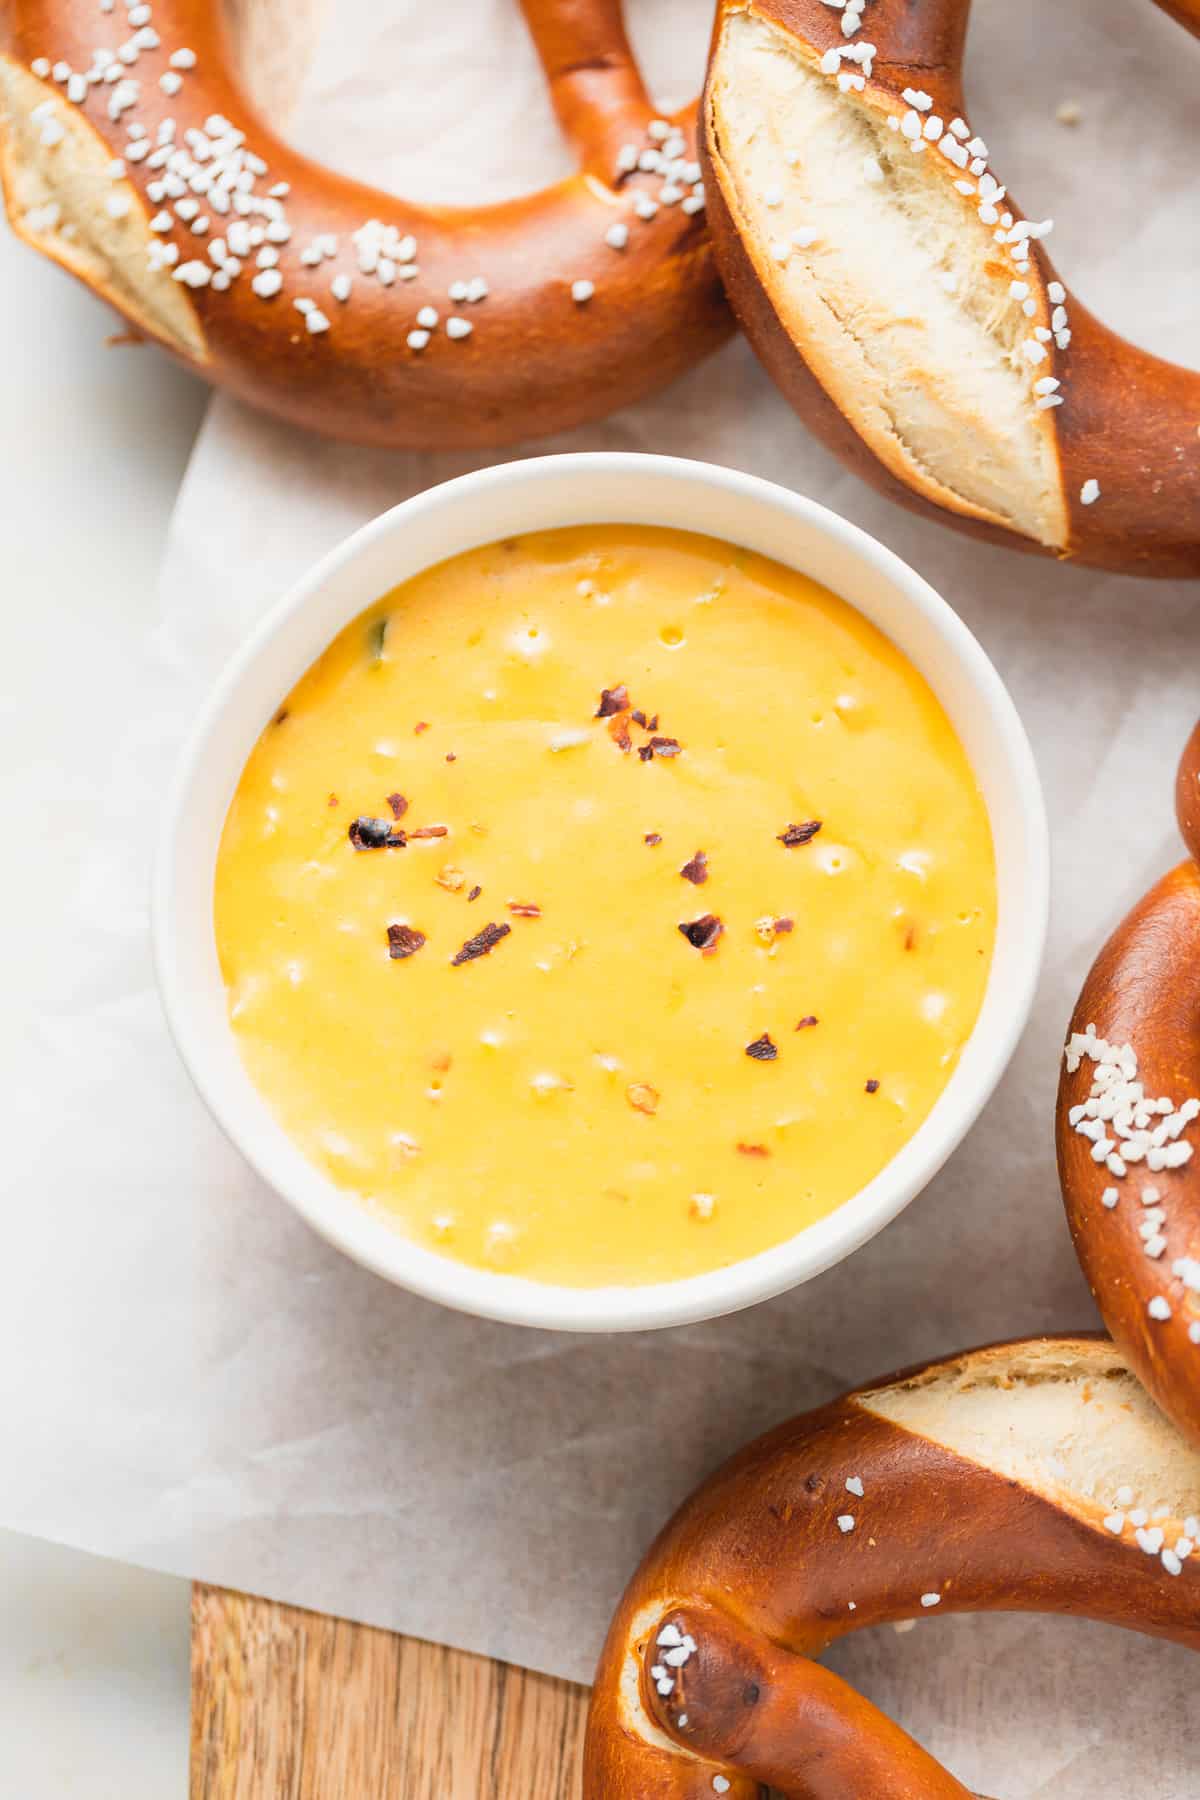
pixel 130 153
pixel 969 1485
pixel 907 308
pixel 1128 1112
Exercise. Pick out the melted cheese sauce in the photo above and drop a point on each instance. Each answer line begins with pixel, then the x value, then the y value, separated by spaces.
pixel 576 1104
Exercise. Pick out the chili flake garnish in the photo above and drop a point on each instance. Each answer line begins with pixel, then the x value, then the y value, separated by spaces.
pixel 612 700
pixel 420 726
pixel 474 893
pixel 480 944
pixel 398 804
pixel 451 756
pixel 805 1022
pixel 872 1086
pixel 784 925
pixel 403 940
pixel 762 1049
pixel 702 933
pixel 332 801
pixel 430 831
pixel 375 834
pixel 652 837
pixel 659 746
pixel 642 1097
pixel 800 834
pixel 618 731
pixel 522 909
pixel 280 716
pixel 752 1150
pixel 696 870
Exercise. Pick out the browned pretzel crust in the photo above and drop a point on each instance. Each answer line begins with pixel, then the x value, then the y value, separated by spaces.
pixel 1135 1212
pixel 1008 1478
pixel 914 319
pixel 422 327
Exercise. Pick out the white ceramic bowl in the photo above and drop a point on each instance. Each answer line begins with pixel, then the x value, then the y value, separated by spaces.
pixel 528 496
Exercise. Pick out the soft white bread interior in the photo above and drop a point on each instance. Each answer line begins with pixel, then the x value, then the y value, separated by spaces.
pixel 896 294
pixel 65 199
pixel 1067 1419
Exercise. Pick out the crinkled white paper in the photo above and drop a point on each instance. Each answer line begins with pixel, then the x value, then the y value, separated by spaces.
pixel 191 1380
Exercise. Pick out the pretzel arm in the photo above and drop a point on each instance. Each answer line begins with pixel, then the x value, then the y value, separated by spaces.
pixel 770 1717
pixel 594 81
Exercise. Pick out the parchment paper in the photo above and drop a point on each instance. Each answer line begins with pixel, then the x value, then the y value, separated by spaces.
pixel 193 1381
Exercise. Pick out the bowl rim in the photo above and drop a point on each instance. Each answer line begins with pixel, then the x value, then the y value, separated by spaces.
pixel 338 1214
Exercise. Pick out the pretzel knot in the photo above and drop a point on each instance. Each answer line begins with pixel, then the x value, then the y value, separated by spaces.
pixel 905 304
pixel 131 154
pixel 1129 1124
pixel 972 1484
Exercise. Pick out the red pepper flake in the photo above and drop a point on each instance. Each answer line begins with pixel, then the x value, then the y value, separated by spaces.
pixel 703 933
pixel 398 804
pixel 800 834
pixel 872 1086
pixel 645 752
pixel 375 834
pixel 430 831
pixel 474 893
pixel 762 1049
pixel 639 718
pixel 806 1022
pixel 420 726
pixel 451 756
pixel 652 837
pixel 696 871
pixel 332 800
pixel 663 746
pixel 652 724
pixel 784 925
pixel 910 938
pixel 612 700
pixel 752 1150
pixel 618 731
pixel 480 944
pixel 280 716
pixel 522 909
pixel 403 940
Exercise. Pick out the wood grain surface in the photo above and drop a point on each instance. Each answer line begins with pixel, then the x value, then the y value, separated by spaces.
pixel 290 1705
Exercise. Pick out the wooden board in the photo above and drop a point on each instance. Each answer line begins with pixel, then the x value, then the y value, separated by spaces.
pixel 290 1705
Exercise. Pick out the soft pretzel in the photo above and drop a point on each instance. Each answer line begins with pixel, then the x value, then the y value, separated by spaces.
pixel 906 306
pixel 1128 1123
pixel 1032 1477
pixel 130 154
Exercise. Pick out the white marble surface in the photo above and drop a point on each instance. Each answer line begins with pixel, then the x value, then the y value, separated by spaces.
pixel 93 443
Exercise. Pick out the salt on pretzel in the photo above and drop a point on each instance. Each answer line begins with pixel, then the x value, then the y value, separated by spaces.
pixel 130 153
pixel 1033 1476
pixel 907 308
pixel 1128 1123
